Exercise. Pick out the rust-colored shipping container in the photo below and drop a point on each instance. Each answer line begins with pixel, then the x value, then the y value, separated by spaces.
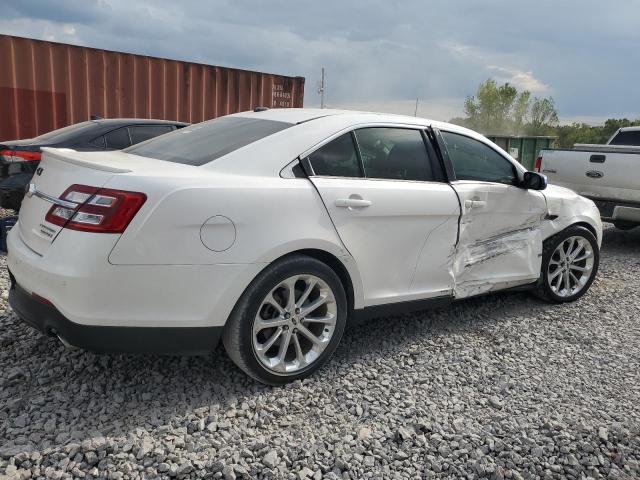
pixel 47 85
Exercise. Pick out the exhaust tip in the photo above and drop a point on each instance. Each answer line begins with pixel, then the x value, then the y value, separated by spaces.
pixel 67 345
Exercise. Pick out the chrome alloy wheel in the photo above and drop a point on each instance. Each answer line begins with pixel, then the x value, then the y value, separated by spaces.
pixel 570 266
pixel 294 324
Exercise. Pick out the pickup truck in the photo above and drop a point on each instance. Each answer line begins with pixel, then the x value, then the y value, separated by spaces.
pixel 607 174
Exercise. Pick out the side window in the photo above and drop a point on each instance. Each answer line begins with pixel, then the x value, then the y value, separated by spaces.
pixel 394 153
pixel 140 133
pixel 98 142
pixel 118 139
pixel 473 160
pixel 337 158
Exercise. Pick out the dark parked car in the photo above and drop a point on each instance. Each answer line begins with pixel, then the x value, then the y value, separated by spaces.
pixel 20 158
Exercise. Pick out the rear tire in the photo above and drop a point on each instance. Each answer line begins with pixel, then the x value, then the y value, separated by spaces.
pixel 570 262
pixel 288 322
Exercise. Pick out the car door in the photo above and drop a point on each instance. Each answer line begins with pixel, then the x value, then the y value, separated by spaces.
pixel 500 240
pixel 391 209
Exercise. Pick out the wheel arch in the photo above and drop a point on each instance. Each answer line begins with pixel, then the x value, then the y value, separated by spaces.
pixel 346 273
pixel 557 225
pixel 586 225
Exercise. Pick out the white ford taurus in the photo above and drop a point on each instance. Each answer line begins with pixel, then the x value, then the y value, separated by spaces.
pixel 271 229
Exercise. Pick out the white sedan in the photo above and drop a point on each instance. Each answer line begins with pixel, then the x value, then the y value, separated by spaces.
pixel 272 229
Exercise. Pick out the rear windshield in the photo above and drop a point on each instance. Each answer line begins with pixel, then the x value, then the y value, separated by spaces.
pixel 203 142
pixel 630 137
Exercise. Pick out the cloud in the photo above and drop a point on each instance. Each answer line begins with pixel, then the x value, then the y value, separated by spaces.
pixel 68 29
pixel 378 52
pixel 441 109
pixel 522 80
pixel 500 66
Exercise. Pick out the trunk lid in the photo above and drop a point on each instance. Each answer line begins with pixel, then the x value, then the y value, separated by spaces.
pixel 59 169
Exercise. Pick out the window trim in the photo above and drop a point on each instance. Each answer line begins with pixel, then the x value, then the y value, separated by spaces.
pixel 517 168
pixel 308 166
pixel 104 142
pixel 436 167
pixel 356 145
pixel 126 127
pixel 434 157
pixel 137 125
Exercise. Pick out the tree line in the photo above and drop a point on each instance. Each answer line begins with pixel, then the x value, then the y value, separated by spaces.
pixel 503 110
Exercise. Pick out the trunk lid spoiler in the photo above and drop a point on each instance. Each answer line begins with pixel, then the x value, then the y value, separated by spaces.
pixel 81 159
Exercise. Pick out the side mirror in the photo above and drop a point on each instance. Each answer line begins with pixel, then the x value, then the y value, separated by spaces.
pixel 534 181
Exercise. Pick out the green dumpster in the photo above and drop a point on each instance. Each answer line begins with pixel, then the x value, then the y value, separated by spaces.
pixel 523 149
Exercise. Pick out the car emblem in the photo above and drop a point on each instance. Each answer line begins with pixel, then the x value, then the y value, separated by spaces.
pixel 30 190
pixel 594 174
pixel 39 171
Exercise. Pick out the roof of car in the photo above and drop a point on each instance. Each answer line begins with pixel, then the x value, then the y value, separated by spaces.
pixel 133 121
pixel 312 128
pixel 630 129
pixel 352 117
pixel 301 115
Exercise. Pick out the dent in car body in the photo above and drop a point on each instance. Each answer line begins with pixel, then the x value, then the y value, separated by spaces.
pixel 519 250
pixel 569 208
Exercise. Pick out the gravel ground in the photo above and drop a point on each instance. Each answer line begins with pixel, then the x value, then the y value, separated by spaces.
pixel 498 387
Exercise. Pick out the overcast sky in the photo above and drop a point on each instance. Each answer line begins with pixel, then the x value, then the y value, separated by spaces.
pixel 378 54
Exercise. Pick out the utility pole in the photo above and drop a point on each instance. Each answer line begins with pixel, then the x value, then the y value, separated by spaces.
pixel 321 89
pixel 415 113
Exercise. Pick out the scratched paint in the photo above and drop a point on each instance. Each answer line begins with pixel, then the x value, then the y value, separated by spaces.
pixel 505 259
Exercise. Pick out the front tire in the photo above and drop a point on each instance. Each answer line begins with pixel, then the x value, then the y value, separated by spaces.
pixel 570 262
pixel 288 322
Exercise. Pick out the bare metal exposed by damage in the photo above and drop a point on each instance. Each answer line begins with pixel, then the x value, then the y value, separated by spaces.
pixel 508 258
pixel 498 245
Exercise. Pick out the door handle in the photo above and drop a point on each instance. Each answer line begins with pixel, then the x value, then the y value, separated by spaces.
pixel 352 203
pixel 469 204
pixel 597 158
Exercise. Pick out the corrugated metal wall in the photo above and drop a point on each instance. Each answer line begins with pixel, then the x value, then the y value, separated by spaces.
pixel 46 85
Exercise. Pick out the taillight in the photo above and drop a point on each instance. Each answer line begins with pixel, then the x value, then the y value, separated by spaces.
pixel 20 156
pixel 99 210
pixel 538 165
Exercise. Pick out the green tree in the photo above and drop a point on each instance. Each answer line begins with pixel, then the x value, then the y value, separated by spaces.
pixel 569 135
pixel 502 109
pixel 520 110
pixel 542 116
pixel 492 108
pixel 613 124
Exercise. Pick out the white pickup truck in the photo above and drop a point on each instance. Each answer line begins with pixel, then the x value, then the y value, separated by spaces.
pixel 607 174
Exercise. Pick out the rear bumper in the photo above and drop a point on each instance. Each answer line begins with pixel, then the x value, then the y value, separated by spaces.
pixel 75 276
pixel 614 210
pixel 166 340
